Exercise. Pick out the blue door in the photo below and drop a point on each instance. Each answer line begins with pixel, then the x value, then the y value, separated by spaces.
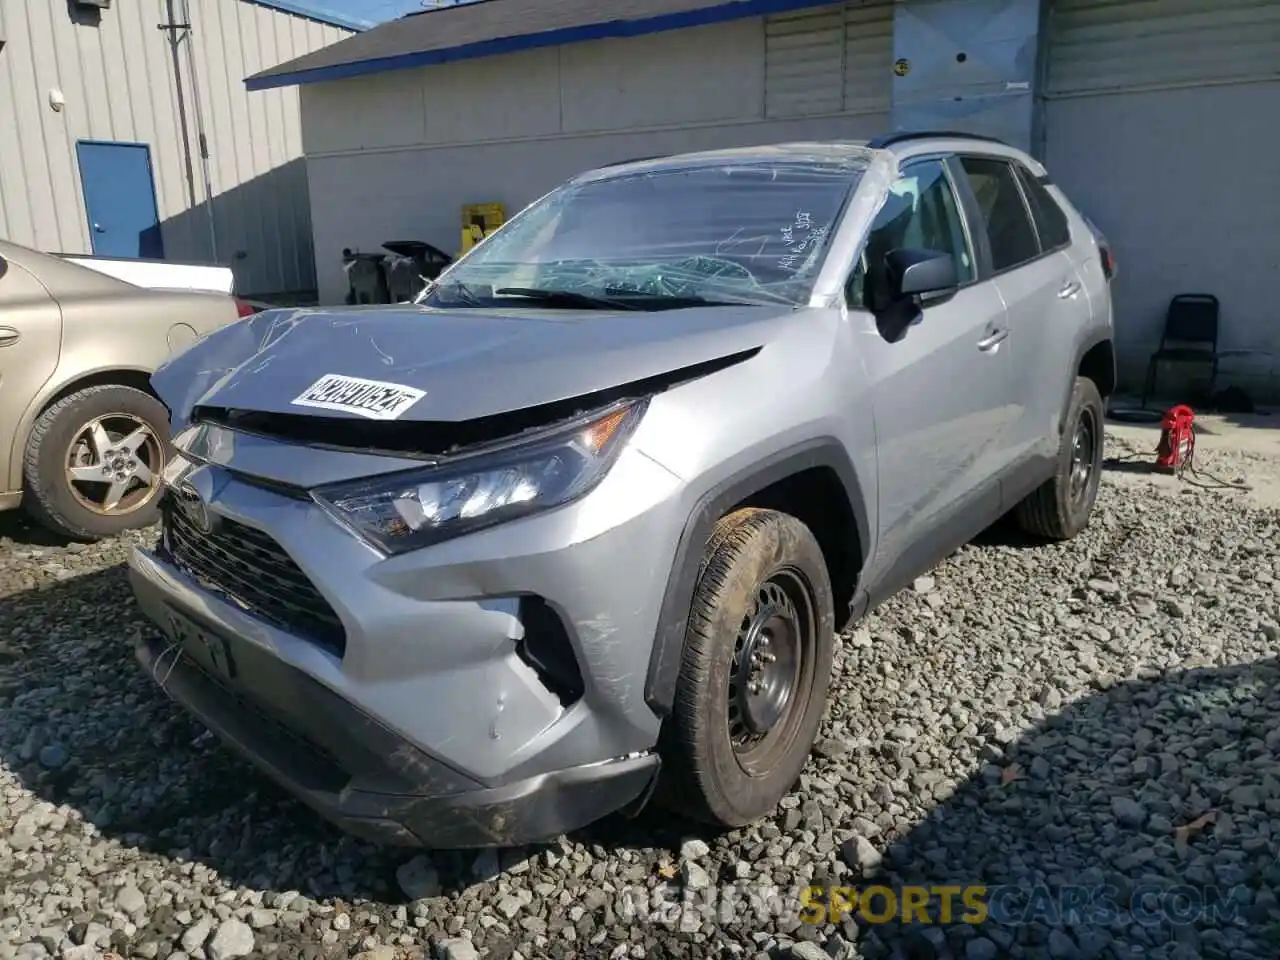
pixel 120 199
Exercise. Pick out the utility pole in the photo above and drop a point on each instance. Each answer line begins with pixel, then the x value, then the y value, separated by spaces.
pixel 178 31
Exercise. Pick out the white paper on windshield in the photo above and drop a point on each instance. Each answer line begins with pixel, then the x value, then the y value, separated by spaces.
pixel 373 399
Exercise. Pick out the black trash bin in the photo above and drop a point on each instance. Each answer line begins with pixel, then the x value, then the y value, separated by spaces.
pixel 416 261
pixel 366 277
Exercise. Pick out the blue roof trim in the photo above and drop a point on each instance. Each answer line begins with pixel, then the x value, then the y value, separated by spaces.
pixel 704 16
pixel 318 14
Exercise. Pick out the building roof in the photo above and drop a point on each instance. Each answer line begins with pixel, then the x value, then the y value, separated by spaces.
pixel 485 28
pixel 314 11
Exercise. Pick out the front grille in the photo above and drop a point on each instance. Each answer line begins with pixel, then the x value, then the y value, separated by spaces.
pixel 250 567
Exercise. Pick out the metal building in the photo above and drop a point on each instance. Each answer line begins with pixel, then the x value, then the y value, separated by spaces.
pixel 126 130
pixel 1140 108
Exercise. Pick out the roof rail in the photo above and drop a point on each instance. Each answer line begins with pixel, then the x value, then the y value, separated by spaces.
pixel 623 163
pixel 889 139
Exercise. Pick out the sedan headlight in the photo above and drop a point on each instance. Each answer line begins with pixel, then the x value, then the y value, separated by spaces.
pixel 406 511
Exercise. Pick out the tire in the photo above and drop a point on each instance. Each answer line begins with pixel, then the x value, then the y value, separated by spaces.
pixel 1060 508
pixel 62 439
pixel 755 561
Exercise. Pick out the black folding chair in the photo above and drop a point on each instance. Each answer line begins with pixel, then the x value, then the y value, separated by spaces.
pixel 1190 336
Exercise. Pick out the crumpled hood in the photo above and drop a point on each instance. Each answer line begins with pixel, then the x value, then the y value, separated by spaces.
pixel 424 364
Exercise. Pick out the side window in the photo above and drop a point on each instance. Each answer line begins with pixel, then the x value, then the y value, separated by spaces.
pixel 1051 222
pixel 920 213
pixel 1013 236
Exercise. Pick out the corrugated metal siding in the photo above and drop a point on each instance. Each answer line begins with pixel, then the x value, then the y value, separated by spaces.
pixel 835 59
pixel 261 204
pixel 868 58
pixel 1101 45
pixel 119 83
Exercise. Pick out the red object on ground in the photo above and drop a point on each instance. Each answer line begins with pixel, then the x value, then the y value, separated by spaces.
pixel 1177 439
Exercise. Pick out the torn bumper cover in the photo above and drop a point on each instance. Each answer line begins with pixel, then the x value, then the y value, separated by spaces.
pixel 344 764
pixel 475 692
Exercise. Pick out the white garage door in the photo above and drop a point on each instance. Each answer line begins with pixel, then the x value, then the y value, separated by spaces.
pixel 1162 119
pixel 834 59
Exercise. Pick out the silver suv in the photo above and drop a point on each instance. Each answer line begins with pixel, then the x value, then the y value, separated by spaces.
pixel 484 568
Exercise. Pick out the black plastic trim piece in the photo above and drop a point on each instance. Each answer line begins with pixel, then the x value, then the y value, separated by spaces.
pixel 906 136
pixel 935 543
pixel 546 648
pixel 668 643
pixel 1085 347
pixel 623 163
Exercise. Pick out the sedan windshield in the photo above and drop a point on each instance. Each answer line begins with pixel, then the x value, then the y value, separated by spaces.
pixel 711 234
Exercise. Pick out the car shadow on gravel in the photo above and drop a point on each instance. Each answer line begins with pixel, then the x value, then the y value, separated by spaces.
pixel 82 726
pixel 17 527
pixel 1140 821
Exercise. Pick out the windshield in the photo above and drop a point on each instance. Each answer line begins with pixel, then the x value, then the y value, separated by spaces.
pixel 750 232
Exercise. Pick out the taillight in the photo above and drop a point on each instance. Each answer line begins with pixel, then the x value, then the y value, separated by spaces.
pixel 245 309
pixel 1108 262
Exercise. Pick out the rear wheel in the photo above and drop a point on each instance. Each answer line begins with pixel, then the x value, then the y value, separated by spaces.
pixel 756 666
pixel 94 462
pixel 1060 508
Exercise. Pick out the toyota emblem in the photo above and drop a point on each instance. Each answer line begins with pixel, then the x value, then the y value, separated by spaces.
pixel 192 507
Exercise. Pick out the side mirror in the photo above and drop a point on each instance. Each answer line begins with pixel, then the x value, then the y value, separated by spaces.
pixel 918 273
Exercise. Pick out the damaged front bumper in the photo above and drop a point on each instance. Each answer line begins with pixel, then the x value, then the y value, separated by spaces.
pixel 344 764
pixel 485 691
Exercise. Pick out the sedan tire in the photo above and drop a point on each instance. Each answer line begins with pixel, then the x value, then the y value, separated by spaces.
pixel 94 463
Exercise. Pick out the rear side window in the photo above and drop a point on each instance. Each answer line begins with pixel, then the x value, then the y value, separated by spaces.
pixel 1051 222
pixel 1009 227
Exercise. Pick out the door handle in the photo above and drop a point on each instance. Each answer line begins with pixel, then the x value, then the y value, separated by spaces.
pixel 993 340
pixel 1069 290
pixel 8 336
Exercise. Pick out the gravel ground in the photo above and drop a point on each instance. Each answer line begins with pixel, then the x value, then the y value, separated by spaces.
pixel 1085 727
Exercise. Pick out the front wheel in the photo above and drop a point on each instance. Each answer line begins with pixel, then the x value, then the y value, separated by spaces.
pixel 756 666
pixel 1060 508
pixel 94 463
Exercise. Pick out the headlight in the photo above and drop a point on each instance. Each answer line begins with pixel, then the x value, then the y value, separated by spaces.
pixel 406 511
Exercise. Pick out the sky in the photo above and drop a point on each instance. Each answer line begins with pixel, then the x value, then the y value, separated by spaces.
pixel 374 11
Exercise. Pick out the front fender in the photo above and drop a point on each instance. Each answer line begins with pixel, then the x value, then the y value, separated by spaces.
pixel 668 645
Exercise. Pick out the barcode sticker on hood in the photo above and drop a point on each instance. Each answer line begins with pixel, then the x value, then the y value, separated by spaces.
pixel 365 398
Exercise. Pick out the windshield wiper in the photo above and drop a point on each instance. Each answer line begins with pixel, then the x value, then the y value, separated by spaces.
pixel 675 301
pixel 568 298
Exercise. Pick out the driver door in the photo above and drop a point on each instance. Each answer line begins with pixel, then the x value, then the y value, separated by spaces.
pixel 942 391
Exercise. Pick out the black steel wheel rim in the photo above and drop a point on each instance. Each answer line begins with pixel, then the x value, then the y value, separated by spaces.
pixel 771 670
pixel 1084 449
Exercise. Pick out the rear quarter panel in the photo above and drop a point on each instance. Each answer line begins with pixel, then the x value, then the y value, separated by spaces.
pixel 125 330
pixel 1097 325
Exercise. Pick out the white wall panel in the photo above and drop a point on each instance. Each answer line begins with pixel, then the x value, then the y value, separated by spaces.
pixel 702 75
pixel 1149 169
pixel 1142 99
pixel 475 100
pixel 360 200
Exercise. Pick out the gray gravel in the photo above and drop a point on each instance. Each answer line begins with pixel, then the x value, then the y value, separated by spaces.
pixel 1038 720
